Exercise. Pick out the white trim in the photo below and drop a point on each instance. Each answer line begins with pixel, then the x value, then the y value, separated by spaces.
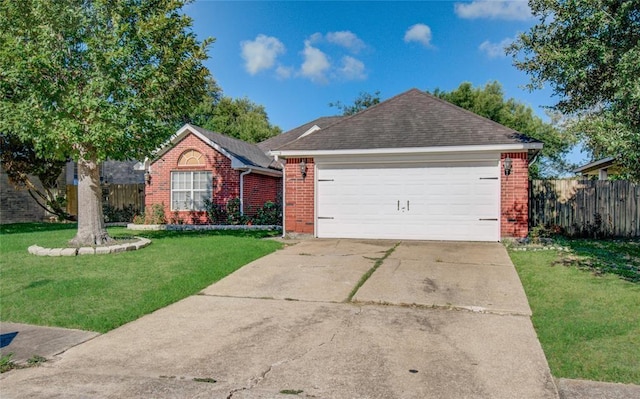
pixel 259 170
pixel 242 175
pixel 410 150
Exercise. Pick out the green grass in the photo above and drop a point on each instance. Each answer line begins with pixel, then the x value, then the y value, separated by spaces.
pixel 587 320
pixel 102 292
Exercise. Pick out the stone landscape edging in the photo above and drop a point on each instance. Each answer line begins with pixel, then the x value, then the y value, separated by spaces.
pixel 181 227
pixel 140 242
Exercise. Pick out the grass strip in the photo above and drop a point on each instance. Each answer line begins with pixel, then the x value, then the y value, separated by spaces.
pixel 369 272
pixel 102 292
pixel 587 322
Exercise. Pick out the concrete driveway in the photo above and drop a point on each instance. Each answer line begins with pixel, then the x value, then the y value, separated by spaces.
pixel 435 320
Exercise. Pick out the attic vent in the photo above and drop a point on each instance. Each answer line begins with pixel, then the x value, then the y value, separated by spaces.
pixel 315 128
pixel 191 158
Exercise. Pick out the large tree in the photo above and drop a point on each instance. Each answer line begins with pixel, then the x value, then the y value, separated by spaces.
pixel 97 79
pixel 588 52
pixel 489 101
pixel 240 118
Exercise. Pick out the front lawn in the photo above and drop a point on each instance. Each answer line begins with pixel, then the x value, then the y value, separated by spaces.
pixel 102 292
pixel 586 308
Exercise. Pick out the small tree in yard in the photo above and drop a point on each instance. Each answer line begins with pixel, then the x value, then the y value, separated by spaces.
pixel 97 79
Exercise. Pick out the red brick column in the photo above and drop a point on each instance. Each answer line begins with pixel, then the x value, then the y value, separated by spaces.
pixel 299 197
pixel 514 196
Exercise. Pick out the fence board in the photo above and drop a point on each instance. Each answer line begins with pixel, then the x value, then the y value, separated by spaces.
pixel 586 207
pixel 118 196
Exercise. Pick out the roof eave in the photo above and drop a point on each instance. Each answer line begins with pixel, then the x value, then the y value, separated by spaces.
pixel 411 150
pixel 599 164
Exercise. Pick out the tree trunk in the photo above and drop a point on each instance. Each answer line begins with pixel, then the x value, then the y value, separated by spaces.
pixel 91 229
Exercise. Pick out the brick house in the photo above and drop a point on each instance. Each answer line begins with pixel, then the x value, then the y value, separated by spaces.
pixel 411 167
pixel 198 164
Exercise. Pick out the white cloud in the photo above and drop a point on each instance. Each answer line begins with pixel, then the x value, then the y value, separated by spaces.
pixel 509 10
pixel 283 72
pixel 495 50
pixel 346 39
pixel 261 53
pixel 316 64
pixel 420 33
pixel 352 69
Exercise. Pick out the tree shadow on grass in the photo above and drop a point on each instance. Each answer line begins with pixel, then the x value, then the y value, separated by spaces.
pixel 612 256
pixel 21 228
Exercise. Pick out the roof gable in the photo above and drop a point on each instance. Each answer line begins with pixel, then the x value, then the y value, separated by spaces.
pixel 296 133
pixel 241 153
pixel 413 119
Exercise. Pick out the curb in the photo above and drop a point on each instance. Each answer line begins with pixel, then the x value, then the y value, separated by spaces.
pixel 108 249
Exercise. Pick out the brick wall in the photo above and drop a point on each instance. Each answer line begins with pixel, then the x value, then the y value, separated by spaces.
pixel 17 206
pixel 259 189
pixel 299 197
pixel 226 181
pixel 514 196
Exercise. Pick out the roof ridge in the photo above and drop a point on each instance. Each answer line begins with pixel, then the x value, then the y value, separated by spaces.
pixel 450 104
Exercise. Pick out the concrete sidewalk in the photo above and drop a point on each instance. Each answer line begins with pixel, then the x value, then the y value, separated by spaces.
pixel 279 326
pixel 47 342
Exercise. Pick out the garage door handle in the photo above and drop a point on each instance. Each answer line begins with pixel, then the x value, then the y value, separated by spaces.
pixel 325 217
pixel 407 205
pixel 398 204
pixel 492 219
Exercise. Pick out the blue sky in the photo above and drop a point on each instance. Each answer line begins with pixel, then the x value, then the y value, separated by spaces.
pixel 295 57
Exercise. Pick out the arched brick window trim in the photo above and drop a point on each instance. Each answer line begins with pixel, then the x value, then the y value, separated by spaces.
pixel 191 158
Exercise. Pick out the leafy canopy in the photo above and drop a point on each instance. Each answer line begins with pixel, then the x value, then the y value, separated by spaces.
pixel 360 103
pixel 97 79
pixel 240 118
pixel 588 51
pixel 489 101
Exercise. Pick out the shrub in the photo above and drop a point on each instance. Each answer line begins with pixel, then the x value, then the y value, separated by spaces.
pixel 234 216
pixel 269 214
pixel 215 213
pixel 113 214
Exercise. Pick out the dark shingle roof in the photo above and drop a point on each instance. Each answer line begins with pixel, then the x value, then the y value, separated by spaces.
pixel 294 134
pixel 408 120
pixel 249 154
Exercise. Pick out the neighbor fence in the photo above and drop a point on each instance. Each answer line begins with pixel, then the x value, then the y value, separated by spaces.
pixel 586 207
pixel 114 197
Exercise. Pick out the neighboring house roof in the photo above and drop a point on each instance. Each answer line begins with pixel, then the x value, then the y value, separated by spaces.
pixel 413 119
pixel 242 154
pixel 294 134
pixel 596 165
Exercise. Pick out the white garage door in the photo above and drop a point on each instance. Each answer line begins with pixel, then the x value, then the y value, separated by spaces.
pixel 438 201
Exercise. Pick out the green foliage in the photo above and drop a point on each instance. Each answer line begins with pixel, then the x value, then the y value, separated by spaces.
pixel 97 80
pixel 586 323
pixel 21 163
pixel 234 216
pixel 99 293
pixel 155 215
pixel 362 102
pixel 588 52
pixel 113 214
pixel 489 101
pixel 240 118
pixel 269 214
pixel 6 364
pixel 216 214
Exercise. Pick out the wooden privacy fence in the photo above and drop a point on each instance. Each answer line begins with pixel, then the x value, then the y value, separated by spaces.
pixel 118 196
pixel 586 207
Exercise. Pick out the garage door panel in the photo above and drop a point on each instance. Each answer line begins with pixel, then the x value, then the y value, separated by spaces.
pixel 428 201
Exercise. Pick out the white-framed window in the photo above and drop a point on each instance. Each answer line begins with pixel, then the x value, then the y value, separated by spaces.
pixel 189 189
